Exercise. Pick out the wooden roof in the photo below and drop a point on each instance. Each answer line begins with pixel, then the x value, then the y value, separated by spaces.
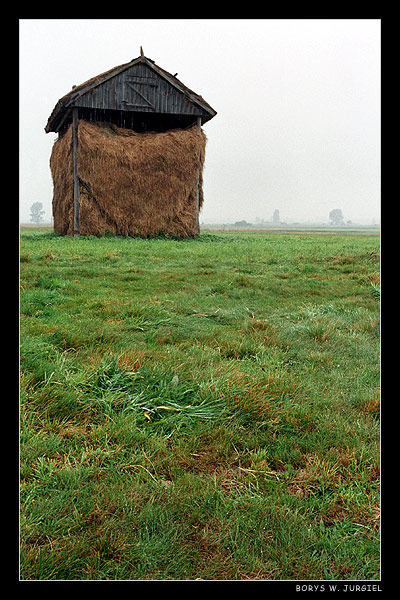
pixel 79 93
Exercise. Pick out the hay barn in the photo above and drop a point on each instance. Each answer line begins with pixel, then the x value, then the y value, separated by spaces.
pixel 129 155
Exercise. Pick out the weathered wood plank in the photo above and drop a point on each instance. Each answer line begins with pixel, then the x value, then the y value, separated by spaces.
pixel 197 229
pixel 75 167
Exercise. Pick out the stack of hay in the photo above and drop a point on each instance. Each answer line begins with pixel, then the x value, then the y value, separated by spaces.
pixel 136 184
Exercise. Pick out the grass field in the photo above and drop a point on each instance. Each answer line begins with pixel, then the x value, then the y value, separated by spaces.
pixel 200 409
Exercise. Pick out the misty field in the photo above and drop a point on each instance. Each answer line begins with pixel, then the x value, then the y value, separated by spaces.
pixel 200 409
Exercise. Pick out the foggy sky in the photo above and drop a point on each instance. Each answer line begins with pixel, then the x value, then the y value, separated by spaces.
pixel 298 103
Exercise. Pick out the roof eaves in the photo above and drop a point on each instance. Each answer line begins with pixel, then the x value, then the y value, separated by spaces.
pixel 69 99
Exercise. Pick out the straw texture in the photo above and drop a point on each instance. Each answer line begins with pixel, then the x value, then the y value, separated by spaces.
pixel 135 184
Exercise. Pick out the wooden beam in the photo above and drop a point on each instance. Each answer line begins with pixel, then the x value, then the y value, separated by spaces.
pixel 197 230
pixel 57 129
pixel 75 164
pixel 197 227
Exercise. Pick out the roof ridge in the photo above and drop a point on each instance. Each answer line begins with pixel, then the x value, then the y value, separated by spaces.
pixel 79 90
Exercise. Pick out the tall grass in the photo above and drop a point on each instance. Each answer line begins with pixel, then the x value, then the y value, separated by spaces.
pixel 200 409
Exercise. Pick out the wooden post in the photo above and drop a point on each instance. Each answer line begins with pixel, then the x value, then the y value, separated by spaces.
pixel 75 163
pixel 197 230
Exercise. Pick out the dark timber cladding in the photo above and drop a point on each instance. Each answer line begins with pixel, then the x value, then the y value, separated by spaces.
pixel 138 95
pixel 139 88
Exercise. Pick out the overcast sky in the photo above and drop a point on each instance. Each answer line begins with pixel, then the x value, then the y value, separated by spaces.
pixel 298 103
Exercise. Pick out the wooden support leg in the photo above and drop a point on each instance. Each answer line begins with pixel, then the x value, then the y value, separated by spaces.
pixel 197 229
pixel 75 163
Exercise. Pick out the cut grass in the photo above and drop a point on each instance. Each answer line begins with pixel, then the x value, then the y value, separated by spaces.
pixel 200 409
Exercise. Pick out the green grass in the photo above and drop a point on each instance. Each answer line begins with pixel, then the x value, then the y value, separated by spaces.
pixel 200 409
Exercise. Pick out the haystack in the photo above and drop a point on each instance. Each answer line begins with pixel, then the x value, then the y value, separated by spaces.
pixel 132 184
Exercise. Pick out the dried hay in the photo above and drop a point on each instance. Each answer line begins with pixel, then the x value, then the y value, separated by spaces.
pixel 136 184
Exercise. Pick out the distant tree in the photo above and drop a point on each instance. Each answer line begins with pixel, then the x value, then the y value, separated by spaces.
pixel 276 217
pixel 336 217
pixel 37 213
pixel 241 224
